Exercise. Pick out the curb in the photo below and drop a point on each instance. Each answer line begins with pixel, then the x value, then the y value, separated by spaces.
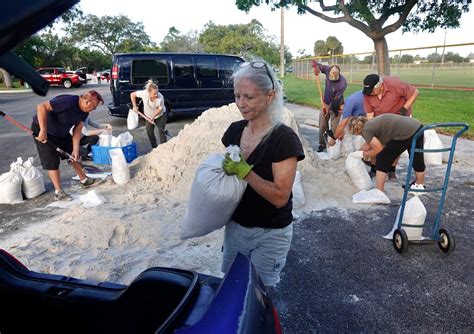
pixel 16 91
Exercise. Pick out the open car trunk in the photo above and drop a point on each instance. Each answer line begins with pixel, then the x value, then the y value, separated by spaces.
pixel 42 303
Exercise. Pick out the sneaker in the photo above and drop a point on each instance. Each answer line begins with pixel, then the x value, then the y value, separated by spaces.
pixel 87 182
pixel 392 176
pixel 321 148
pixel 62 196
pixel 416 186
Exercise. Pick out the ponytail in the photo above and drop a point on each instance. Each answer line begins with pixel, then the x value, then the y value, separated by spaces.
pixel 150 85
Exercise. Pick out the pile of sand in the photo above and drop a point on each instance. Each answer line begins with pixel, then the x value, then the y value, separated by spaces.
pixel 139 225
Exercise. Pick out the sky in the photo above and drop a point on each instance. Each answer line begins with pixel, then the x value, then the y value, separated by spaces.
pixel 301 31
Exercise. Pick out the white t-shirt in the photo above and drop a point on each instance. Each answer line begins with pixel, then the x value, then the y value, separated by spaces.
pixel 149 107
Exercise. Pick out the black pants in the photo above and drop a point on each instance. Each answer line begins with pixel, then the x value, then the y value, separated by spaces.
pixel 394 148
pixel 88 141
pixel 160 123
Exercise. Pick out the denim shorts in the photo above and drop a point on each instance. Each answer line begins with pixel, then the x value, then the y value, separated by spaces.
pixel 267 249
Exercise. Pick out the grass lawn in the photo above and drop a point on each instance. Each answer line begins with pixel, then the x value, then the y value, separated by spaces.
pixel 431 106
pixel 16 85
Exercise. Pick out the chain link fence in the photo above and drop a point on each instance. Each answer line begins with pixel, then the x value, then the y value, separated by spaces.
pixel 440 66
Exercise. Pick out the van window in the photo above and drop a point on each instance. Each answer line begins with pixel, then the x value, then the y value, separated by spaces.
pixel 154 69
pixel 183 67
pixel 229 65
pixel 206 67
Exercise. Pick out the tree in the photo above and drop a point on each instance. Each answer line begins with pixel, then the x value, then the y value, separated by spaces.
pixel 334 46
pixel 247 40
pixel 378 18
pixel 407 59
pixel 111 34
pixel 320 48
pixel 175 41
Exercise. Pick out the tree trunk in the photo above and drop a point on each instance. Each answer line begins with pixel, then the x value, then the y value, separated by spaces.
pixel 381 52
pixel 7 78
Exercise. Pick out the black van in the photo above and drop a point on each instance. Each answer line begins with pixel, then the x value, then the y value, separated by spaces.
pixel 189 82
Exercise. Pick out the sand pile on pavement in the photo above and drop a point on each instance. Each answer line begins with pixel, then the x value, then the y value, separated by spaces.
pixel 139 225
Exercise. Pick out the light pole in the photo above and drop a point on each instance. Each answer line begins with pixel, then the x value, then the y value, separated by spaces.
pixel 282 42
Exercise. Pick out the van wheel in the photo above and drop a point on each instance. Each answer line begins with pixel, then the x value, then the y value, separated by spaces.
pixel 67 83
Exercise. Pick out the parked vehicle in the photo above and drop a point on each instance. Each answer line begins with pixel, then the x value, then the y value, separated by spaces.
pixel 82 75
pixel 159 300
pixel 189 82
pixel 105 75
pixel 59 77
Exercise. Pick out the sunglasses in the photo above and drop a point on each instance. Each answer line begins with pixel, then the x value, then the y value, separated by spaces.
pixel 259 64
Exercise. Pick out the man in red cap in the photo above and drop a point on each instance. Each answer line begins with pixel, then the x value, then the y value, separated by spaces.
pixel 387 95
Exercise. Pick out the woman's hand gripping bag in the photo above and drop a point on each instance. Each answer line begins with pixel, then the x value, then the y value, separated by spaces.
pixel 213 198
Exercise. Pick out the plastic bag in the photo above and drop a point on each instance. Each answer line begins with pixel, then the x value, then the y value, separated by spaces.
pixel 125 139
pixel 10 188
pixel 132 120
pixel 432 141
pixel 348 144
pixel 212 200
pixel 33 182
pixel 372 196
pixel 297 190
pixel 120 169
pixel 104 140
pixel 358 173
pixel 414 214
pixel 358 141
pixel 334 151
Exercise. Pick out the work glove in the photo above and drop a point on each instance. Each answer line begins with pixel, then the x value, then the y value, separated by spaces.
pixel 329 134
pixel 357 155
pixel 403 111
pixel 241 168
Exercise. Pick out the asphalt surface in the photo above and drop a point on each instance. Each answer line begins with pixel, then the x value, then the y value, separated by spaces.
pixel 341 276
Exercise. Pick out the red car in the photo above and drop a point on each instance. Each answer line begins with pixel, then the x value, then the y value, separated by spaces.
pixel 57 76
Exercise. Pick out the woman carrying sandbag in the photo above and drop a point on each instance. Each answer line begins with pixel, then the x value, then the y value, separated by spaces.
pixel 386 137
pixel 261 226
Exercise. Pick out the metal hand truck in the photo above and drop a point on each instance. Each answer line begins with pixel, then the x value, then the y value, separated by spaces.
pixel 442 237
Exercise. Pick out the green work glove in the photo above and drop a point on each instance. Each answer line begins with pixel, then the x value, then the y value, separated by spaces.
pixel 241 168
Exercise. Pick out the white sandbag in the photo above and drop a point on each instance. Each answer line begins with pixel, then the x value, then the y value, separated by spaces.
pixel 114 142
pixel 104 140
pixel 358 173
pixel 432 141
pixel 33 182
pixel 212 200
pixel 132 120
pixel 297 190
pixel 348 144
pixel 120 169
pixel 10 188
pixel 372 196
pixel 125 139
pixel 414 214
pixel 334 151
pixel 358 141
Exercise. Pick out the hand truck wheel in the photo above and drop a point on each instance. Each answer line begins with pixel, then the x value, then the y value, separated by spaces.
pixel 400 241
pixel 446 241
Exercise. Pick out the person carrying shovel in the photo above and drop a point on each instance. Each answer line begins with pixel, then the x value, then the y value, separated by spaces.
pixel 51 126
pixel 154 111
pixel 332 101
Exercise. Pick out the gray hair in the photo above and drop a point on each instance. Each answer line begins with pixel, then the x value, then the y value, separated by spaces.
pixel 260 77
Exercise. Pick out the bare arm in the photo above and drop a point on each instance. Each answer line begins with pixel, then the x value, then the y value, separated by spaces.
pixel 412 99
pixel 339 134
pixel 375 148
pixel 276 192
pixel 76 138
pixel 133 98
pixel 42 111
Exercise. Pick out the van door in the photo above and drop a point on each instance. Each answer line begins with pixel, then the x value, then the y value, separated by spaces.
pixel 227 66
pixel 208 82
pixel 182 96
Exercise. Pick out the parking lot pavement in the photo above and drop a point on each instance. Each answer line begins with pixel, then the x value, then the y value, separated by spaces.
pixel 342 276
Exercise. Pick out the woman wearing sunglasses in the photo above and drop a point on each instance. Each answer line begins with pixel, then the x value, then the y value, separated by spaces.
pixel 261 226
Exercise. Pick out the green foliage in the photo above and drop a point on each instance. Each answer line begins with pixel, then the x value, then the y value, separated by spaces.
pixel 111 34
pixel 320 48
pixel 247 40
pixel 174 41
pixel 431 106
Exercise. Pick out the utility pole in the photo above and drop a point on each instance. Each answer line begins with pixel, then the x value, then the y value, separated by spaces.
pixel 282 42
pixel 444 45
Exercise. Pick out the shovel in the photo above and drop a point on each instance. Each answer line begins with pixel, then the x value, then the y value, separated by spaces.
pixel 28 130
